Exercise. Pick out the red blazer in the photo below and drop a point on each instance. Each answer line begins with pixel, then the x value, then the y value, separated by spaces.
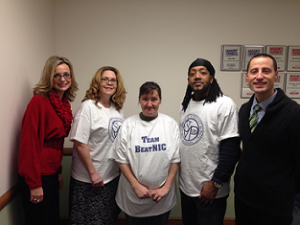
pixel 42 139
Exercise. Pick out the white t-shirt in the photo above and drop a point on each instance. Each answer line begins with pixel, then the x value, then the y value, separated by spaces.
pixel 97 127
pixel 149 148
pixel 202 128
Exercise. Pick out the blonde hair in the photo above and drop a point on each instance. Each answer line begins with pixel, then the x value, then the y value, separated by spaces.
pixel 118 98
pixel 45 85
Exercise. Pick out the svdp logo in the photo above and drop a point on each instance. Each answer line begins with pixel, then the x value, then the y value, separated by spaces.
pixel 191 129
pixel 113 127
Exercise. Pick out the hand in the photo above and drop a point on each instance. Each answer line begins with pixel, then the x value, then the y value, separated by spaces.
pixel 141 191
pixel 208 194
pixel 158 194
pixel 61 182
pixel 97 180
pixel 36 195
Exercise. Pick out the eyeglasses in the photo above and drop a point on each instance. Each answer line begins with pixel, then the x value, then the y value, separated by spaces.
pixel 106 80
pixel 66 76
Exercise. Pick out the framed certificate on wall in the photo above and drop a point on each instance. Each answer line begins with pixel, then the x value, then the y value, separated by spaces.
pixel 279 52
pixel 279 82
pixel 231 57
pixel 293 58
pixel 292 88
pixel 246 92
pixel 249 52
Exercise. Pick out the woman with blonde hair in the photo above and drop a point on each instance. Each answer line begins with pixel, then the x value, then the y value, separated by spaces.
pixel 46 122
pixel 94 177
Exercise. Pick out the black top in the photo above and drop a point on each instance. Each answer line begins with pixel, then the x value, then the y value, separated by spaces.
pixel 268 174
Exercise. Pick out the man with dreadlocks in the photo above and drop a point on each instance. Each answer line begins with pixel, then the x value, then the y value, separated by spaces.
pixel 209 147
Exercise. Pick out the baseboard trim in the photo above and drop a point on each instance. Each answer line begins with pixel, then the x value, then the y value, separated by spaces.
pixel 171 221
pixel 9 195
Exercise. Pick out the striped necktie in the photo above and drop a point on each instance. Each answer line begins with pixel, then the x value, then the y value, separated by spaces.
pixel 253 118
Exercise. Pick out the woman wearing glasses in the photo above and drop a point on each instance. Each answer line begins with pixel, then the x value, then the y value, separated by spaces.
pixel 46 122
pixel 94 177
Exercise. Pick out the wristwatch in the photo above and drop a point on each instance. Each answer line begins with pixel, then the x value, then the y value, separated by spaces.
pixel 217 185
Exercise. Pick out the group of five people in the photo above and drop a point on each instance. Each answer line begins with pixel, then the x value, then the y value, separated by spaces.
pixel 131 165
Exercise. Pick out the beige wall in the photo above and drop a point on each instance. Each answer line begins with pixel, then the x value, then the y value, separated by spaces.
pixel 146 40
pixel 157 40
pixel 26 41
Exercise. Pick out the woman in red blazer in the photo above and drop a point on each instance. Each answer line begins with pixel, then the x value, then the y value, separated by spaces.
pixel 46 122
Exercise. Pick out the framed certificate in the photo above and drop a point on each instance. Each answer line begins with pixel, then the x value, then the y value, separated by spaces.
pixel 293 58
pixel 279 52
pixel 292 88
pixel 279 82
pixel 231 57
pixel 249 52
pixel 246 92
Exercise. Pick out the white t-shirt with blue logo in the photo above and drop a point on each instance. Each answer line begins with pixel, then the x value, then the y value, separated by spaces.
pixel 149 148
pixel 202 128
pixel 97 127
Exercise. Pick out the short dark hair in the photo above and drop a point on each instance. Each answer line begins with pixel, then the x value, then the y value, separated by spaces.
pixel 265 55
pixel 149 87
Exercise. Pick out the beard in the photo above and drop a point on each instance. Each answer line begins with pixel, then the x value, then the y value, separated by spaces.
pixel 200 90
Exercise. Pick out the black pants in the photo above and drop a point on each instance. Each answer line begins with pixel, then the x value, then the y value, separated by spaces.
pixel 246 215
pixel 195 213
pixel 47 211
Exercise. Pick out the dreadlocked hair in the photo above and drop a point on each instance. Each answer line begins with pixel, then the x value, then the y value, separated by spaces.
pixel 187 98
pixel 214 92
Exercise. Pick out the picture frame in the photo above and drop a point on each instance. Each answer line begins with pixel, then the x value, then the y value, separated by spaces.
pixel 279 52
pixel 231 57
pixel 292 86
pixel 249 52
pixel 293 58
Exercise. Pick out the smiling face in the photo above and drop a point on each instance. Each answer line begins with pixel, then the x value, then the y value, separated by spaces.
pixel 61 79
pixel 108 85
pixel 200 79
pixel 261 77
pixel 150 103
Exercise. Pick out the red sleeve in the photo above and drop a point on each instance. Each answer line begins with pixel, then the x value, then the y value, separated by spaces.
pixel 32 139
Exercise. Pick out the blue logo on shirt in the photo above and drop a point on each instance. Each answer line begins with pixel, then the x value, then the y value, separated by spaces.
pixel 191 130
pixel 114 125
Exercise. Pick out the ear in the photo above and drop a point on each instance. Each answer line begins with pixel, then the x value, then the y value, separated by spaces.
pixel 211 79
pixel 247 77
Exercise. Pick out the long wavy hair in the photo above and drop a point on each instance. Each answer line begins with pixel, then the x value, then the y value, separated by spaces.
pixel 45 85
pixel 118 98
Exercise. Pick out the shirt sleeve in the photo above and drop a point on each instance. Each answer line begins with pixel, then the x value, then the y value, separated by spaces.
pixel 31 143
pixel 120 145
pixel 228 120
pixel 176 143
pixel 81 127
pixel 229 154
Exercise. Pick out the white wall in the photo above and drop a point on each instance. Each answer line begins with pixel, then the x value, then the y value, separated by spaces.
pixel 26 41
pixel 157 40
pixel 146 40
